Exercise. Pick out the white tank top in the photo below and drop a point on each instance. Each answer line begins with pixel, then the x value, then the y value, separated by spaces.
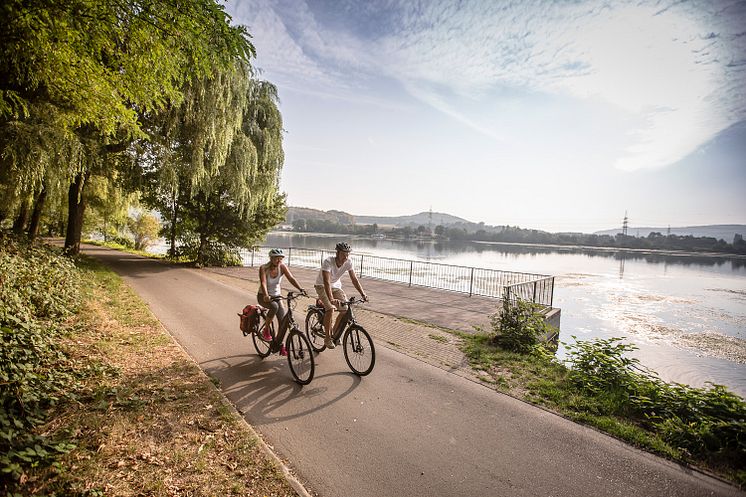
pixel 273 284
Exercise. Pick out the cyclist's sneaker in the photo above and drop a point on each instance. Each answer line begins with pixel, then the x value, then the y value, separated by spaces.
pixel 266 334
pixel 283 350
pixel 329 344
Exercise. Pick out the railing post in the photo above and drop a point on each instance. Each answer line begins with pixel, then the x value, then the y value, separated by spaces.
pixel 533 299
pixel 411 265
pixel 471 282
pixel 252 256
pixel 290 251
pixel 361 264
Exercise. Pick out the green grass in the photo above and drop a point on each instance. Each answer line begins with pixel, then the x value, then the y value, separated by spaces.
pixel 549 384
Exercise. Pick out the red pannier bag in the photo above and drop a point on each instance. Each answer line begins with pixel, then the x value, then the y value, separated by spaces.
pixel 249 319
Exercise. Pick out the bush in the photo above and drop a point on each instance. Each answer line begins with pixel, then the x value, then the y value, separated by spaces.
pixel 39 289
pixel 520 327
pixel 215 254
pixel 709 423
pixel 124 241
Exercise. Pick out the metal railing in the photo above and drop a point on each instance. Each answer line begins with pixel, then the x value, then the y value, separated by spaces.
pixel 506 285
pixel 538 291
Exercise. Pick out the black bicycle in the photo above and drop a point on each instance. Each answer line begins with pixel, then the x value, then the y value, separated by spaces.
pixel 360 353
pixel 266 341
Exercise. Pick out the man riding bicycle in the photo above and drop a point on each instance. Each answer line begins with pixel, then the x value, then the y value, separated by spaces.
pixel 329 287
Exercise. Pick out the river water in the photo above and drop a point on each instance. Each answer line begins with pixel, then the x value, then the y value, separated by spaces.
pixel 687 314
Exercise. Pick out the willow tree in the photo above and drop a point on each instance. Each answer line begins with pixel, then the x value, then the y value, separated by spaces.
pixel 214 175
pixel 100 66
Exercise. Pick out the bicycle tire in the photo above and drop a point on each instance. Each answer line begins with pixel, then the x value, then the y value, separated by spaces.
pixel 300 357
pixel 315 330
pixel 360 353
pixel 263 347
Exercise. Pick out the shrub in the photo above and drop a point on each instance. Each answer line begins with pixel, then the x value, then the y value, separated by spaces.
pixel 520 327
pixel 709 423
pixel 39 289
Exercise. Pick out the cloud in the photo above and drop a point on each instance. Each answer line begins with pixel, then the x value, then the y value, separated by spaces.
pixel 676 70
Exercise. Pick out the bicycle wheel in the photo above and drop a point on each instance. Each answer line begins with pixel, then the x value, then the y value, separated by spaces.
pixel 315 329
pixel 359 351
pixel 263 346
pixel 300 357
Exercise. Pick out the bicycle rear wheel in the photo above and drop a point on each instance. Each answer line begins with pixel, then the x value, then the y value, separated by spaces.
pixel 315 329
pixel 359 351
pixel 261 344
pixel 300 357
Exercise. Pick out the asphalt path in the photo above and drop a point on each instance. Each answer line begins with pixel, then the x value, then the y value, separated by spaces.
pixel 408 429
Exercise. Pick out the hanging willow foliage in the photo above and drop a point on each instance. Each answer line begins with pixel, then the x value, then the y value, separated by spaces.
pixel 214 162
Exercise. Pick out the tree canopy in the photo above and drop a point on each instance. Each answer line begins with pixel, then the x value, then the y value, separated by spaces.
pixel 94 91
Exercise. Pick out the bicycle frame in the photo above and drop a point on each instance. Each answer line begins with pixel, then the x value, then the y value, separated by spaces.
pixel 288 321
pixel 349 316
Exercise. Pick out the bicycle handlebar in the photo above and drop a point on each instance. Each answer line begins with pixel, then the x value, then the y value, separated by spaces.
pixel 353 301
pixel 290 296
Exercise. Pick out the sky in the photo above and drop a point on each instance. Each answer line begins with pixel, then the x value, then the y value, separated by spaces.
pixel 551 115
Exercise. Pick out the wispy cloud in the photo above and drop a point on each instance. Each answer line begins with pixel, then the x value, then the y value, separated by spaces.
pixel 677 70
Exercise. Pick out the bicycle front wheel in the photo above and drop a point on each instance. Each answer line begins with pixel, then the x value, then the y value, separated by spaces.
pixel 315 330
pixel 300 357
pixel 359 351
pixel 261 344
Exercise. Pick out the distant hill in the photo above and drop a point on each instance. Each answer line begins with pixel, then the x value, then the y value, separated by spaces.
pixel 720 231
pixel 423 218
pixel 340 217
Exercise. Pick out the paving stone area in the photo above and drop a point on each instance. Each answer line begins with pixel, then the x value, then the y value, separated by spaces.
pixel 411 320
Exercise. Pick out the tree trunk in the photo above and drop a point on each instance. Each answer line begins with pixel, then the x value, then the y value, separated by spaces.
pixel 75 210
pixel 201 250
pixel 33 228
pixel 174 217
pixel 19 224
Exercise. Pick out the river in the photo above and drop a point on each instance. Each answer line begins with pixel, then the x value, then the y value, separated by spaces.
pixel 686 313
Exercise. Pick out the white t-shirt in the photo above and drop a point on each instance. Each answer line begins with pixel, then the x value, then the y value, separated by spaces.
pixel 335 273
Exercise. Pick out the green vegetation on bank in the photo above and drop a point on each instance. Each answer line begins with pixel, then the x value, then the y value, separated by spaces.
pixel 97 399
pixel 601 386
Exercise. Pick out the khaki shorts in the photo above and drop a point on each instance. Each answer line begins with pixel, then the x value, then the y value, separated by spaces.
pixel 337 293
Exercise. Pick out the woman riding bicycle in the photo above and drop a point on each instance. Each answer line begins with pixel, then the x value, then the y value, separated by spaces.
pixel 270 279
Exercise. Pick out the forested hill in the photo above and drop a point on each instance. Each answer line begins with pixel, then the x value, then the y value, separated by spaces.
pixel 718 231
pixel 341 217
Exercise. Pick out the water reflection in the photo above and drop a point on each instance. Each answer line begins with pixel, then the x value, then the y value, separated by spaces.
pixel 441 250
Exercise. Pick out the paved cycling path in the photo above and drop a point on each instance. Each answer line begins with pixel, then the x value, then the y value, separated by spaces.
pixel 407 429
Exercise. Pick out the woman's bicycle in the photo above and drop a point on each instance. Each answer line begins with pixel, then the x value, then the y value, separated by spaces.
pixel 360 353
pixel 300 357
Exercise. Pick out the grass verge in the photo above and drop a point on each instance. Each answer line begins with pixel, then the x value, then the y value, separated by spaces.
pixel 546 383
pixel 147 421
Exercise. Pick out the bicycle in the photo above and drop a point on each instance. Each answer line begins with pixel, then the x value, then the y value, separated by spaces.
pixel 359 351
pixel 300 357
